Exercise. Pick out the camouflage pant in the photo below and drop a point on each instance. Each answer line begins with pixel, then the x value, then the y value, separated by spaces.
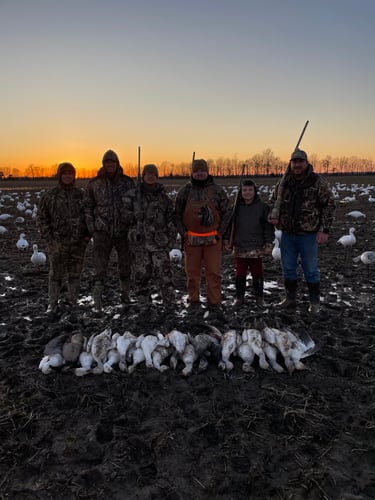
pixel 155 264
pixel 66 259
pixel 103 245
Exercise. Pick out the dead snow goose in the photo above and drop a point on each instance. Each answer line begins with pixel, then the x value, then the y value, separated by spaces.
pixel 113 358
pixel 149 343
pixel 101 344
pixel 72 348
pixel 253 338
pixel 231 340
pixel 159 354
pixel 52 354
pixel 123 344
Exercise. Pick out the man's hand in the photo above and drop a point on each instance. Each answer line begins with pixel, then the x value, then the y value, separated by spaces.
pixel 321 238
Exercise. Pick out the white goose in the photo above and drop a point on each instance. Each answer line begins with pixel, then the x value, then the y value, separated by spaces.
pixel 38 258
pixel 22 243
pixel 3 230
pixel 348 240
pixel 276 252
pixel 366 258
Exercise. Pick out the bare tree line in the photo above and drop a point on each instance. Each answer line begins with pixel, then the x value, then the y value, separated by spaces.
pixel 265 163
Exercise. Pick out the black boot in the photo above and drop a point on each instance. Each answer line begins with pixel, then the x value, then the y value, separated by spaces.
pixel 258 291
pixel 240 292
pixel 314 295
pixel 290 294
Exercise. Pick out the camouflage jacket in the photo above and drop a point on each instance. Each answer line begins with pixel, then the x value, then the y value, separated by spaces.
pixel 151 214
pixel 104 202
pixel 307 206
pixel 205 193
pixel 60 215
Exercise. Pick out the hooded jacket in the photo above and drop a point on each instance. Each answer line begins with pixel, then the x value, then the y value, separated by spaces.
pixel 307 205
pixel 104 200
pixel 60 213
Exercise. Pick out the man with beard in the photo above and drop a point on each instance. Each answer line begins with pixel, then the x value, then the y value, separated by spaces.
pixel 61 223
pixel 103 207
pixel 202 215
pixel 305 217
pixel 150 214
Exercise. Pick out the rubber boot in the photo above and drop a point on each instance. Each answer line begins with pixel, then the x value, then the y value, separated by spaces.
pixel 124 285
pixel 54 288
pixel 290 294
pixel 73 291
pixel 314 295
pixel 98 296
pixel 240 291
pixel 258 291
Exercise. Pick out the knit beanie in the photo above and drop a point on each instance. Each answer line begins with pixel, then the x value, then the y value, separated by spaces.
pixel 110 155
pixel 150 168
pixel 199 164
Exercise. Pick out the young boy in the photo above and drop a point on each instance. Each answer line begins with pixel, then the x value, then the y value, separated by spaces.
pixel 250 237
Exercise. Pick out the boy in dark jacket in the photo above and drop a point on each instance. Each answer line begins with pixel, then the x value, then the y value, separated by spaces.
pixel 250 237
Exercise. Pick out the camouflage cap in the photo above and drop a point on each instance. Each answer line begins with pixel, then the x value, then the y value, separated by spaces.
pixel 298 154
pixel 150 168
pixel 65 167
pixel 110 155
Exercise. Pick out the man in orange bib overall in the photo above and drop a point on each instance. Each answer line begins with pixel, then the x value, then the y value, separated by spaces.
pixel 202 215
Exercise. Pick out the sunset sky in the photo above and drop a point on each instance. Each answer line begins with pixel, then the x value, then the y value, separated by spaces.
pixel 223 78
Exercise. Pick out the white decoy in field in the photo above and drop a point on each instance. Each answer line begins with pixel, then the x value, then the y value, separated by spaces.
pixel 175 255
pixel 22 243
pixel 348 240
pixel 276 252
pixel 38 258
pixel 19 220
pixel 278 234
pixel 3 230
pixel 366 258
pixel 5 217
pixel 356 214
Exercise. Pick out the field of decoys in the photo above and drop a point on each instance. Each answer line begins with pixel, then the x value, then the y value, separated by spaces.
pixel 251 403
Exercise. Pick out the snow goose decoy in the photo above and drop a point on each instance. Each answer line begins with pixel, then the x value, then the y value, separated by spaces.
pixel 356 214
pixel 22 243
pixel 175 255
pixel 276 252
pixel 348 240
pixel 3 230
pixel 38 258
pixel 366 258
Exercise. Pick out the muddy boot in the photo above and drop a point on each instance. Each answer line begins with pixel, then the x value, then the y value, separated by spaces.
pixel 54 288
pixel 290 294
pixel 125 298
pixel 98 296
pixel 258 291
pixel 314 295
pixel 73 291
pixel 240 292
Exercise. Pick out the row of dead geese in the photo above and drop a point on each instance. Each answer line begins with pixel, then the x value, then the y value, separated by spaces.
pixel 104 351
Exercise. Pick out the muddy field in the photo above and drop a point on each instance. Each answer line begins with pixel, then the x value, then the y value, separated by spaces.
pixel 213 435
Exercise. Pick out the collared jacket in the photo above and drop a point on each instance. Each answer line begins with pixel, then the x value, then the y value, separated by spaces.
pixel 195 195
pixel 60 215
pixel 104 202
pixel 150 212
pixel 307 206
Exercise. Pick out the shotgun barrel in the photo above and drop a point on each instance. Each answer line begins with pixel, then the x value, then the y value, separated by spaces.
pixel 275 212
pixel 139 195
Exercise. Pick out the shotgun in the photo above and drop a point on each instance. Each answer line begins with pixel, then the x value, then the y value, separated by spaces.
pixel 274 217
pixel 139 196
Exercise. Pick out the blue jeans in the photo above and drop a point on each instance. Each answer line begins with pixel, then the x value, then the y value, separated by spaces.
pixel 292 246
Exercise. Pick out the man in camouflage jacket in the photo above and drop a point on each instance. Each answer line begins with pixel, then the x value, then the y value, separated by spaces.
pixel 61 223
pixel 103 205
pixel 202 215
pixel 149 212
pixel 305 217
